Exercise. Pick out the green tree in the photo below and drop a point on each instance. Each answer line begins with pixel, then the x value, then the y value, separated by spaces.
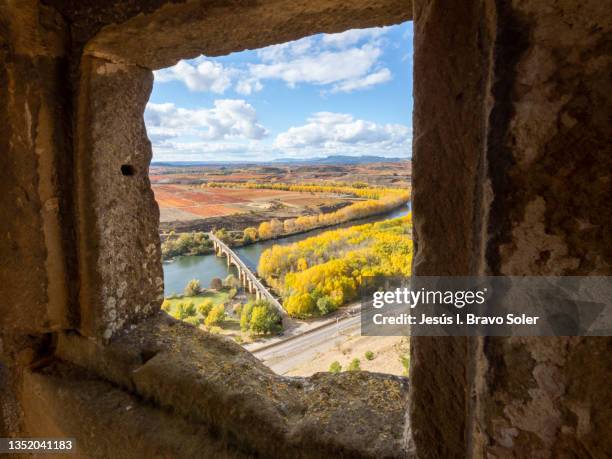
pixel 216 316
pixel 335 367
pixel 354 365
pixel 193 288
pixel 245 316
pixel 265 319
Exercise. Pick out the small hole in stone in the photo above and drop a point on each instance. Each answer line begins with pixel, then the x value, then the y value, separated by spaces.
pixel 127 169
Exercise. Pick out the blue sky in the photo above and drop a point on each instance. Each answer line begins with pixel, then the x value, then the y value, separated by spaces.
pixel 328 94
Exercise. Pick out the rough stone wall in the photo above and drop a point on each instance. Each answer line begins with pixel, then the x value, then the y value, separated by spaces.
pixel 551 216
pixel 528 193
pixel 35 214
pixel 37 269
pixel 452 54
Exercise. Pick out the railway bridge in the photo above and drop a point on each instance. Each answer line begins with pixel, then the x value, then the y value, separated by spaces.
pixel 247 277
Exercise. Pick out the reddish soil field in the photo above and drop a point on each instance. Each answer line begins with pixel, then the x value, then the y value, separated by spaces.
pixel 216 202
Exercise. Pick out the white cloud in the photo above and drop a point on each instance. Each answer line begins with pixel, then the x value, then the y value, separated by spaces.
pixel 342 133
pixel 248 86
pixel 347 67
pixel 229 118
pixel 287 50
pixel 381 76
pixel 201 75
pixel 351 37
pixel 349 61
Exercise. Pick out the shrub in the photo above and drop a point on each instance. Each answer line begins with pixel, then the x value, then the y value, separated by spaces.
pixel 216 316
pixel 369 355
pixel 193 288
pixel 195 321
pixel 190 309
pixel 232 293
pixel 325 305
pixel 354 365
pixel 405 359
pixel 216 284
pixel 166 305
pixel 205 307
pixel 180 311
pixel 335 367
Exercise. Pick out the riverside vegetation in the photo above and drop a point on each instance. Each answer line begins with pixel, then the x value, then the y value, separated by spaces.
pixel 209 308
pixel 376 201
pixel 317 275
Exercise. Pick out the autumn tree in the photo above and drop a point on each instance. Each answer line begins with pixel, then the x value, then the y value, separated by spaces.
pixel 216 316
pixel 265 230
pixel 249 235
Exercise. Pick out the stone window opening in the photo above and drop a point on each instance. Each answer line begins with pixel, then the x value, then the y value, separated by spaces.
pixel 180 173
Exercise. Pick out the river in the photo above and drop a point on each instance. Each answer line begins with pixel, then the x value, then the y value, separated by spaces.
pixel 206 267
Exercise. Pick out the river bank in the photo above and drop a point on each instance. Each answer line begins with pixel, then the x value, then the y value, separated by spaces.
pixel 206 267
pixel 234 242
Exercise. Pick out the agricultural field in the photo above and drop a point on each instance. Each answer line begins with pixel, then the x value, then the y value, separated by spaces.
pixel 187 204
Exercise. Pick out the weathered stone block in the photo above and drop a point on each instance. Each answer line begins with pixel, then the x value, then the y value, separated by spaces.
pixel 119 248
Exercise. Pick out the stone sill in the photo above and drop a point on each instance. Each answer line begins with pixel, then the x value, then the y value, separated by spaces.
pixel 210 381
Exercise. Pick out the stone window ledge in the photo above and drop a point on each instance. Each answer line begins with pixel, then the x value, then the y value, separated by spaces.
pixel 211 381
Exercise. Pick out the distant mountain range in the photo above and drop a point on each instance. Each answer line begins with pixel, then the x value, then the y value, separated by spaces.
pixel 337 159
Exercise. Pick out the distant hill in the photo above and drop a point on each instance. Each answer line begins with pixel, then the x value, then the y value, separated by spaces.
pixel 337 159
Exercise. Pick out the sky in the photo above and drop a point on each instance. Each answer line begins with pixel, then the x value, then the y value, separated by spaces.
pixel 328 94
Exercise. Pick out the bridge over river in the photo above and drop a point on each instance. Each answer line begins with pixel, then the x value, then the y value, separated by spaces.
pixel 246 274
